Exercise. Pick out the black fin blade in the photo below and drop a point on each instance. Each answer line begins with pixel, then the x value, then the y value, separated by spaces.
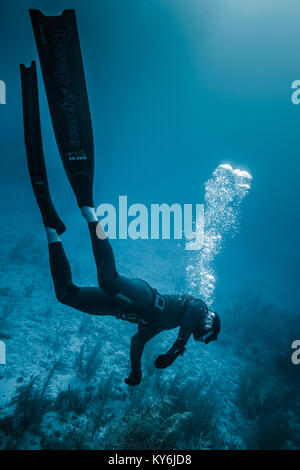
pixel 34 150
pixel 61 62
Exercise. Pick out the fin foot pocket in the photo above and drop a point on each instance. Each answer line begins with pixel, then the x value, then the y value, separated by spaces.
pixel 51 219
pixel 82 185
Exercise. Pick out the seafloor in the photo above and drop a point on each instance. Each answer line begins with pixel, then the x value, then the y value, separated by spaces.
pixel 63 384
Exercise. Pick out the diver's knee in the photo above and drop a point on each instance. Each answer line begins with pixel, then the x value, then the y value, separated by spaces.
pixel 60 296
pixel 63 295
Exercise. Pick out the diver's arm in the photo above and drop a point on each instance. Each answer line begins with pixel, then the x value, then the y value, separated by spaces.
pixel 186 329
pixel 188 324
pixel 138 342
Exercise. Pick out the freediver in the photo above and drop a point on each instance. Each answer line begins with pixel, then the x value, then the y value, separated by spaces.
pixel 133 300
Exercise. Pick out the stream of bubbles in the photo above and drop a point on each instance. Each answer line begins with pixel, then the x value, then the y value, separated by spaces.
pixel 224 194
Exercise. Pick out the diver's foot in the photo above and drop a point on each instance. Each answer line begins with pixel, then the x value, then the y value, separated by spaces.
pixel 134 378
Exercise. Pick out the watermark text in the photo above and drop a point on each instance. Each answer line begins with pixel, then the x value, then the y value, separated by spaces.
pixel 160 221
pixel 296 353
pixel 2 353
pixel 2 92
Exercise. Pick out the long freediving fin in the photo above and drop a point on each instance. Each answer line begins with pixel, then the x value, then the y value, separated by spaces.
pixel 61 62
pixel 34 149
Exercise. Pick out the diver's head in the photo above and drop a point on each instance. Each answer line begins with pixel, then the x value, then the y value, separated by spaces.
pixel 209 329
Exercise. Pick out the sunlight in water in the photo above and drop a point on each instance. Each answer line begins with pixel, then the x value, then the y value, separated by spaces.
pixel 224 193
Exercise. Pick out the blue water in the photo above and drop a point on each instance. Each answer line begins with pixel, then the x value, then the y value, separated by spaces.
pixel 176 88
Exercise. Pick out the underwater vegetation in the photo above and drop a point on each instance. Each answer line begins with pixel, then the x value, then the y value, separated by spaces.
pixel 235 397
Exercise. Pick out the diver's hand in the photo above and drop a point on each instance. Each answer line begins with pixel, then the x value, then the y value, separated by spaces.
pixel 165 360
pixel 134 378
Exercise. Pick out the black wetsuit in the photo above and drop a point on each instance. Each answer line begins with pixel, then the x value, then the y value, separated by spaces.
pixel 133 300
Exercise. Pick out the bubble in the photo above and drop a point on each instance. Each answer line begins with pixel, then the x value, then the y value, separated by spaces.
pixel 242 174
pixel 225 166
pixel 224 194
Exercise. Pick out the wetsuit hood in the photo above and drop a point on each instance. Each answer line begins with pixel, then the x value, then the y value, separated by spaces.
pixel 209 327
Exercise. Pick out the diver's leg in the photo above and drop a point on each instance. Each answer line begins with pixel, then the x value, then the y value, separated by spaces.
pixel 86 299
pixel 103 254
pixel 34 150
pixel 132 291
pixel 60 268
